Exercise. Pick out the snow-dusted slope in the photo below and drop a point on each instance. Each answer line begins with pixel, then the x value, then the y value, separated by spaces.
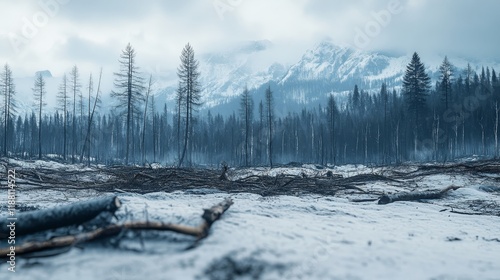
pixel 287 237
pixel 225 74
pixel 339 64
pixel 324 69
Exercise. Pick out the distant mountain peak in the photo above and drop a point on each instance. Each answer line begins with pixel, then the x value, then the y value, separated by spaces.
pixel 325 68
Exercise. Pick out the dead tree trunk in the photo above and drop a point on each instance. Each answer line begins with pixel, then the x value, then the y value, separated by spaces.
pixel 386 199
pixel 67 215
pixel 209 217
pixel 496 129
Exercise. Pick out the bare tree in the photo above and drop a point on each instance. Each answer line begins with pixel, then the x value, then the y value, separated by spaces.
pixel 496 129
pixel 39 94
pixel 75 89
pixel 129 85
pixel 332 114
pixel 189 94
pixel 154 124
pixel 180 101
pixel 62 100
pixel 148 92
pixel 246 112
pixel 270 121
pixel 90 120
pixel 8 91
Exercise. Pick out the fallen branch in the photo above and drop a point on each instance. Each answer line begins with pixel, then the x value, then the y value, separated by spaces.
pixel 465 213
pixel 363 199
pixel 385 199
pixel 209 217
pixel 141 174
pixel 67 215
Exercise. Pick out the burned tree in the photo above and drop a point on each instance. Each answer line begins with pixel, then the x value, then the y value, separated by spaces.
pixel 39 94
pixel 62 99
pixel 188 96
pixel 270 121
pixel 246 111
pixel 129 88
pixel 75 89
pixel 7 90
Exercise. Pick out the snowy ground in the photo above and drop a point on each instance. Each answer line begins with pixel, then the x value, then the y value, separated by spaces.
pixel 289 237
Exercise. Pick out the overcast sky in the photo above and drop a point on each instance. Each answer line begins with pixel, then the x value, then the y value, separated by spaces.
pixel 92 33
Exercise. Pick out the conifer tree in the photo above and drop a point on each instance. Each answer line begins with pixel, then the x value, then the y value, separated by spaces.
pixel 446 80
pixel 189 96
pixel 129 87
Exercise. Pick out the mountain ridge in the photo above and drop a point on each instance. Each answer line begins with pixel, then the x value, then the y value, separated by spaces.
pixel 326 68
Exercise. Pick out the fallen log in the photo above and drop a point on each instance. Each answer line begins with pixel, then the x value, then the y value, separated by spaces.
pixel 209 217
pixel 67 215
pixel 389 198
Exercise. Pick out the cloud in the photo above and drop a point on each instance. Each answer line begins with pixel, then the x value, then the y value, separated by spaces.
pixel 93 33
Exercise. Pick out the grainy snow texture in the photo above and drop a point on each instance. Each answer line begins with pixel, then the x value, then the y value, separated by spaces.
pixel 287 237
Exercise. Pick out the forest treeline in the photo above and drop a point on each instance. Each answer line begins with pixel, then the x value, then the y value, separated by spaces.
pixel 453 117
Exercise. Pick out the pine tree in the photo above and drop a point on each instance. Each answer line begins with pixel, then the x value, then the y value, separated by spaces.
pixel 446 72
pixel 129 88
pixel 356 100
pixel 495 83
pixel 7 91
pixel 189 90
pixel 416 84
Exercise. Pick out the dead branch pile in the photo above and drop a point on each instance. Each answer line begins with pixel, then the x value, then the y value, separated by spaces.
pixel 478 168
pixel 144 180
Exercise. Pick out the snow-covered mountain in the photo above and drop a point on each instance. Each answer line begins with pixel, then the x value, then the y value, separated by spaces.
pixel 225 74
pixel 331 68
pixel 338 65
pixel 324 69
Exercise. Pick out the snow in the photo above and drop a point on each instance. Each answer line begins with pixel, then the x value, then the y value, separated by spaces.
pixel 289 237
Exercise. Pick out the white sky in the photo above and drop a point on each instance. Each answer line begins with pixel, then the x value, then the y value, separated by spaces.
pixel 92 33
